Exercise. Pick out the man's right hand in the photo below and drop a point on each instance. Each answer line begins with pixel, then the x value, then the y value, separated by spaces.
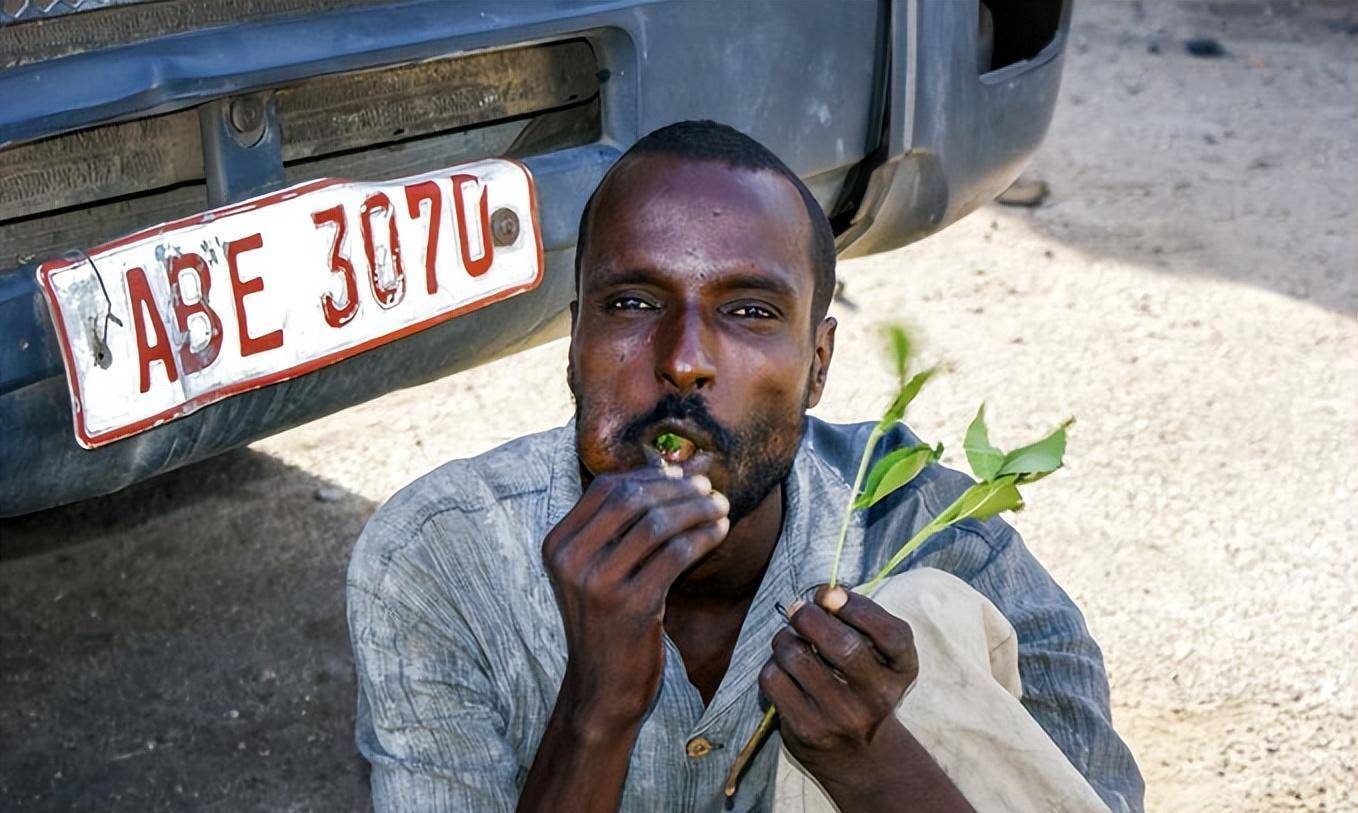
pixel 611 561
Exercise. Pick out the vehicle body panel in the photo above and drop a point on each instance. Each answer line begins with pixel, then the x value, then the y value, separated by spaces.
pixel 877 105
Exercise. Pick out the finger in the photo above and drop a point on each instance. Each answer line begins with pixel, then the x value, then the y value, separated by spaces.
pixel 890 635
pixel 621 500
pixel 610 495
pixel 599 490
pixel 609 486
pixel 659 524
pixel 782 691
pixel 813 675
pixel 629 500
pixel 842 646
pixel 678 553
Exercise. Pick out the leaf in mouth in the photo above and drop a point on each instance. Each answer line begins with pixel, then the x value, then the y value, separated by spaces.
pixel 668 442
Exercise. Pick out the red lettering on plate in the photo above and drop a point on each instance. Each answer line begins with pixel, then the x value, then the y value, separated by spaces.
pixel 336 316
pixel 189 360
pixel 415 193
pixel 386 297
pixel 481 264
pixel 249 345
pixel 144 305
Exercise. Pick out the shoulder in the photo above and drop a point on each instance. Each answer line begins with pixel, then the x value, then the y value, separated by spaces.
pixel 466 517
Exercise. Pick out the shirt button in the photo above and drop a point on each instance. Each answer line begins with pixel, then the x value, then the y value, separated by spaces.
pixel 699 747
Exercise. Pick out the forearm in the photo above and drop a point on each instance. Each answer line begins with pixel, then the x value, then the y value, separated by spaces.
pixel 581 763
pixel 896 775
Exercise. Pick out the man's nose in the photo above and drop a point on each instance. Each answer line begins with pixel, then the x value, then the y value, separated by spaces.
pixel 682 360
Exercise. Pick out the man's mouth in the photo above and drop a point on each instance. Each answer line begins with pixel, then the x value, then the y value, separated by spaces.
pixel 676 444
pixel 674 448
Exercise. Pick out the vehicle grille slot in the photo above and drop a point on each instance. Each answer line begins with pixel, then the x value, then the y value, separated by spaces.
pixel 338 113
pixel 79 189
pixel 37 30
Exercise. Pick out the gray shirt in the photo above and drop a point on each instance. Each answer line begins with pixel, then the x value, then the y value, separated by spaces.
pixel 460 649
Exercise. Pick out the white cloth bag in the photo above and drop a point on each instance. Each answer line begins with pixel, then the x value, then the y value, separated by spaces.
pixel 963 708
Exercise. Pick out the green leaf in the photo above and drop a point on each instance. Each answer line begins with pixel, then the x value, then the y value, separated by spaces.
pixel 985 460
pixel 1037 460
pixel 900 350
pixel 668 442
pixel 907 394
pixel 984 500
pixel 895 470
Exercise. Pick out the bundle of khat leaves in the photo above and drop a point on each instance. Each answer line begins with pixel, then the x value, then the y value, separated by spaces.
pixel 999 475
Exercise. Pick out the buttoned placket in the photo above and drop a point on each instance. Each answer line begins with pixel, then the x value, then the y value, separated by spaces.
pixel 722 728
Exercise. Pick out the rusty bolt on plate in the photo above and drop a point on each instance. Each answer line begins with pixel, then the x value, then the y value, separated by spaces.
pixel 247 119
pixel 504 227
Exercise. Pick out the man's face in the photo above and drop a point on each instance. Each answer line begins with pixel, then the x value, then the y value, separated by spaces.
pixel 694 317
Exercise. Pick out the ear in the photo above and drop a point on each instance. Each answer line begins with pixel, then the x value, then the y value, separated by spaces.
pixel 820 363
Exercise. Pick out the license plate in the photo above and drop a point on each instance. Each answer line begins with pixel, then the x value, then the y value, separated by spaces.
pixel 168 320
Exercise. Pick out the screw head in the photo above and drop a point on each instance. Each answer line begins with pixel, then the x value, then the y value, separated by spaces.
pixel 247 115
pixel 504 227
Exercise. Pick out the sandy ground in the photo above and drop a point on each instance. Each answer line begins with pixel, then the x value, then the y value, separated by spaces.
pixel 1189 292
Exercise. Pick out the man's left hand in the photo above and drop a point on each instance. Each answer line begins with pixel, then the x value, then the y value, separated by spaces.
pixel 836 677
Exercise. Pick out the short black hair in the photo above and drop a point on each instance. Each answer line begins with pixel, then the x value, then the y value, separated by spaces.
pixel 707 140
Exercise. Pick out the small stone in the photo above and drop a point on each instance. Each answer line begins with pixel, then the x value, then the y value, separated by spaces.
pixel 329 494
pixel 1204 47
pixel 1025 192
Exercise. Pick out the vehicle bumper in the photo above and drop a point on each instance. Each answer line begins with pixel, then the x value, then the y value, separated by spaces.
pixel 887 128
pixel 955 135
pixel 658 63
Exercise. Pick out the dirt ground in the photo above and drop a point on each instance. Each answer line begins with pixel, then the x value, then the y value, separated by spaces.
pixel 1189 291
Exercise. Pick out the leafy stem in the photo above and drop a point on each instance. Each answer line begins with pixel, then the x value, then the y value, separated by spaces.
pixel 932 527
pixel 998 476
pixel 982 501
pixel 873 438
pixel 751 745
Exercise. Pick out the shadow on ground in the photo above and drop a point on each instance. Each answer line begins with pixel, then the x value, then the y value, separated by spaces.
pixel 182 645
pixel 1192 165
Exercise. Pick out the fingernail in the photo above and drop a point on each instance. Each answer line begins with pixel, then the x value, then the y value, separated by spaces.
pixel 834 599
pixel 704 485
pixel 724 524
pixel 796 605
pixel 723 504
pixel 671 471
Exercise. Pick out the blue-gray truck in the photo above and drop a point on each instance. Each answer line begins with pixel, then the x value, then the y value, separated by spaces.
pixel 186 266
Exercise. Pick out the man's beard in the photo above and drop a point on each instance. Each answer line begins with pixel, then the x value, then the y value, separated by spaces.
pixel 757 455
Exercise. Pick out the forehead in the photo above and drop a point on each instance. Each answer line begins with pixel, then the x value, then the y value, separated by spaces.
pixel 690 220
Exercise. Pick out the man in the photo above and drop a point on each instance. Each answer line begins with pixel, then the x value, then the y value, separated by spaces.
pixel 576 621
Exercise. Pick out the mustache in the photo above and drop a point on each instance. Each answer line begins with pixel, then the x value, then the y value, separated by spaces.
pixel 688 407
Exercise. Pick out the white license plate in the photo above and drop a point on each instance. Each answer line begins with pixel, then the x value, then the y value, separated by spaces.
pixel 161 323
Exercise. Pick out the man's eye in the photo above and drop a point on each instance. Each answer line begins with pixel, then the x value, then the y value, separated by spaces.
pixel 753 312
pixel 630 303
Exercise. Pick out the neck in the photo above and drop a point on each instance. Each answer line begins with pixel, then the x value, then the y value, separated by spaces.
pixel 733 572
